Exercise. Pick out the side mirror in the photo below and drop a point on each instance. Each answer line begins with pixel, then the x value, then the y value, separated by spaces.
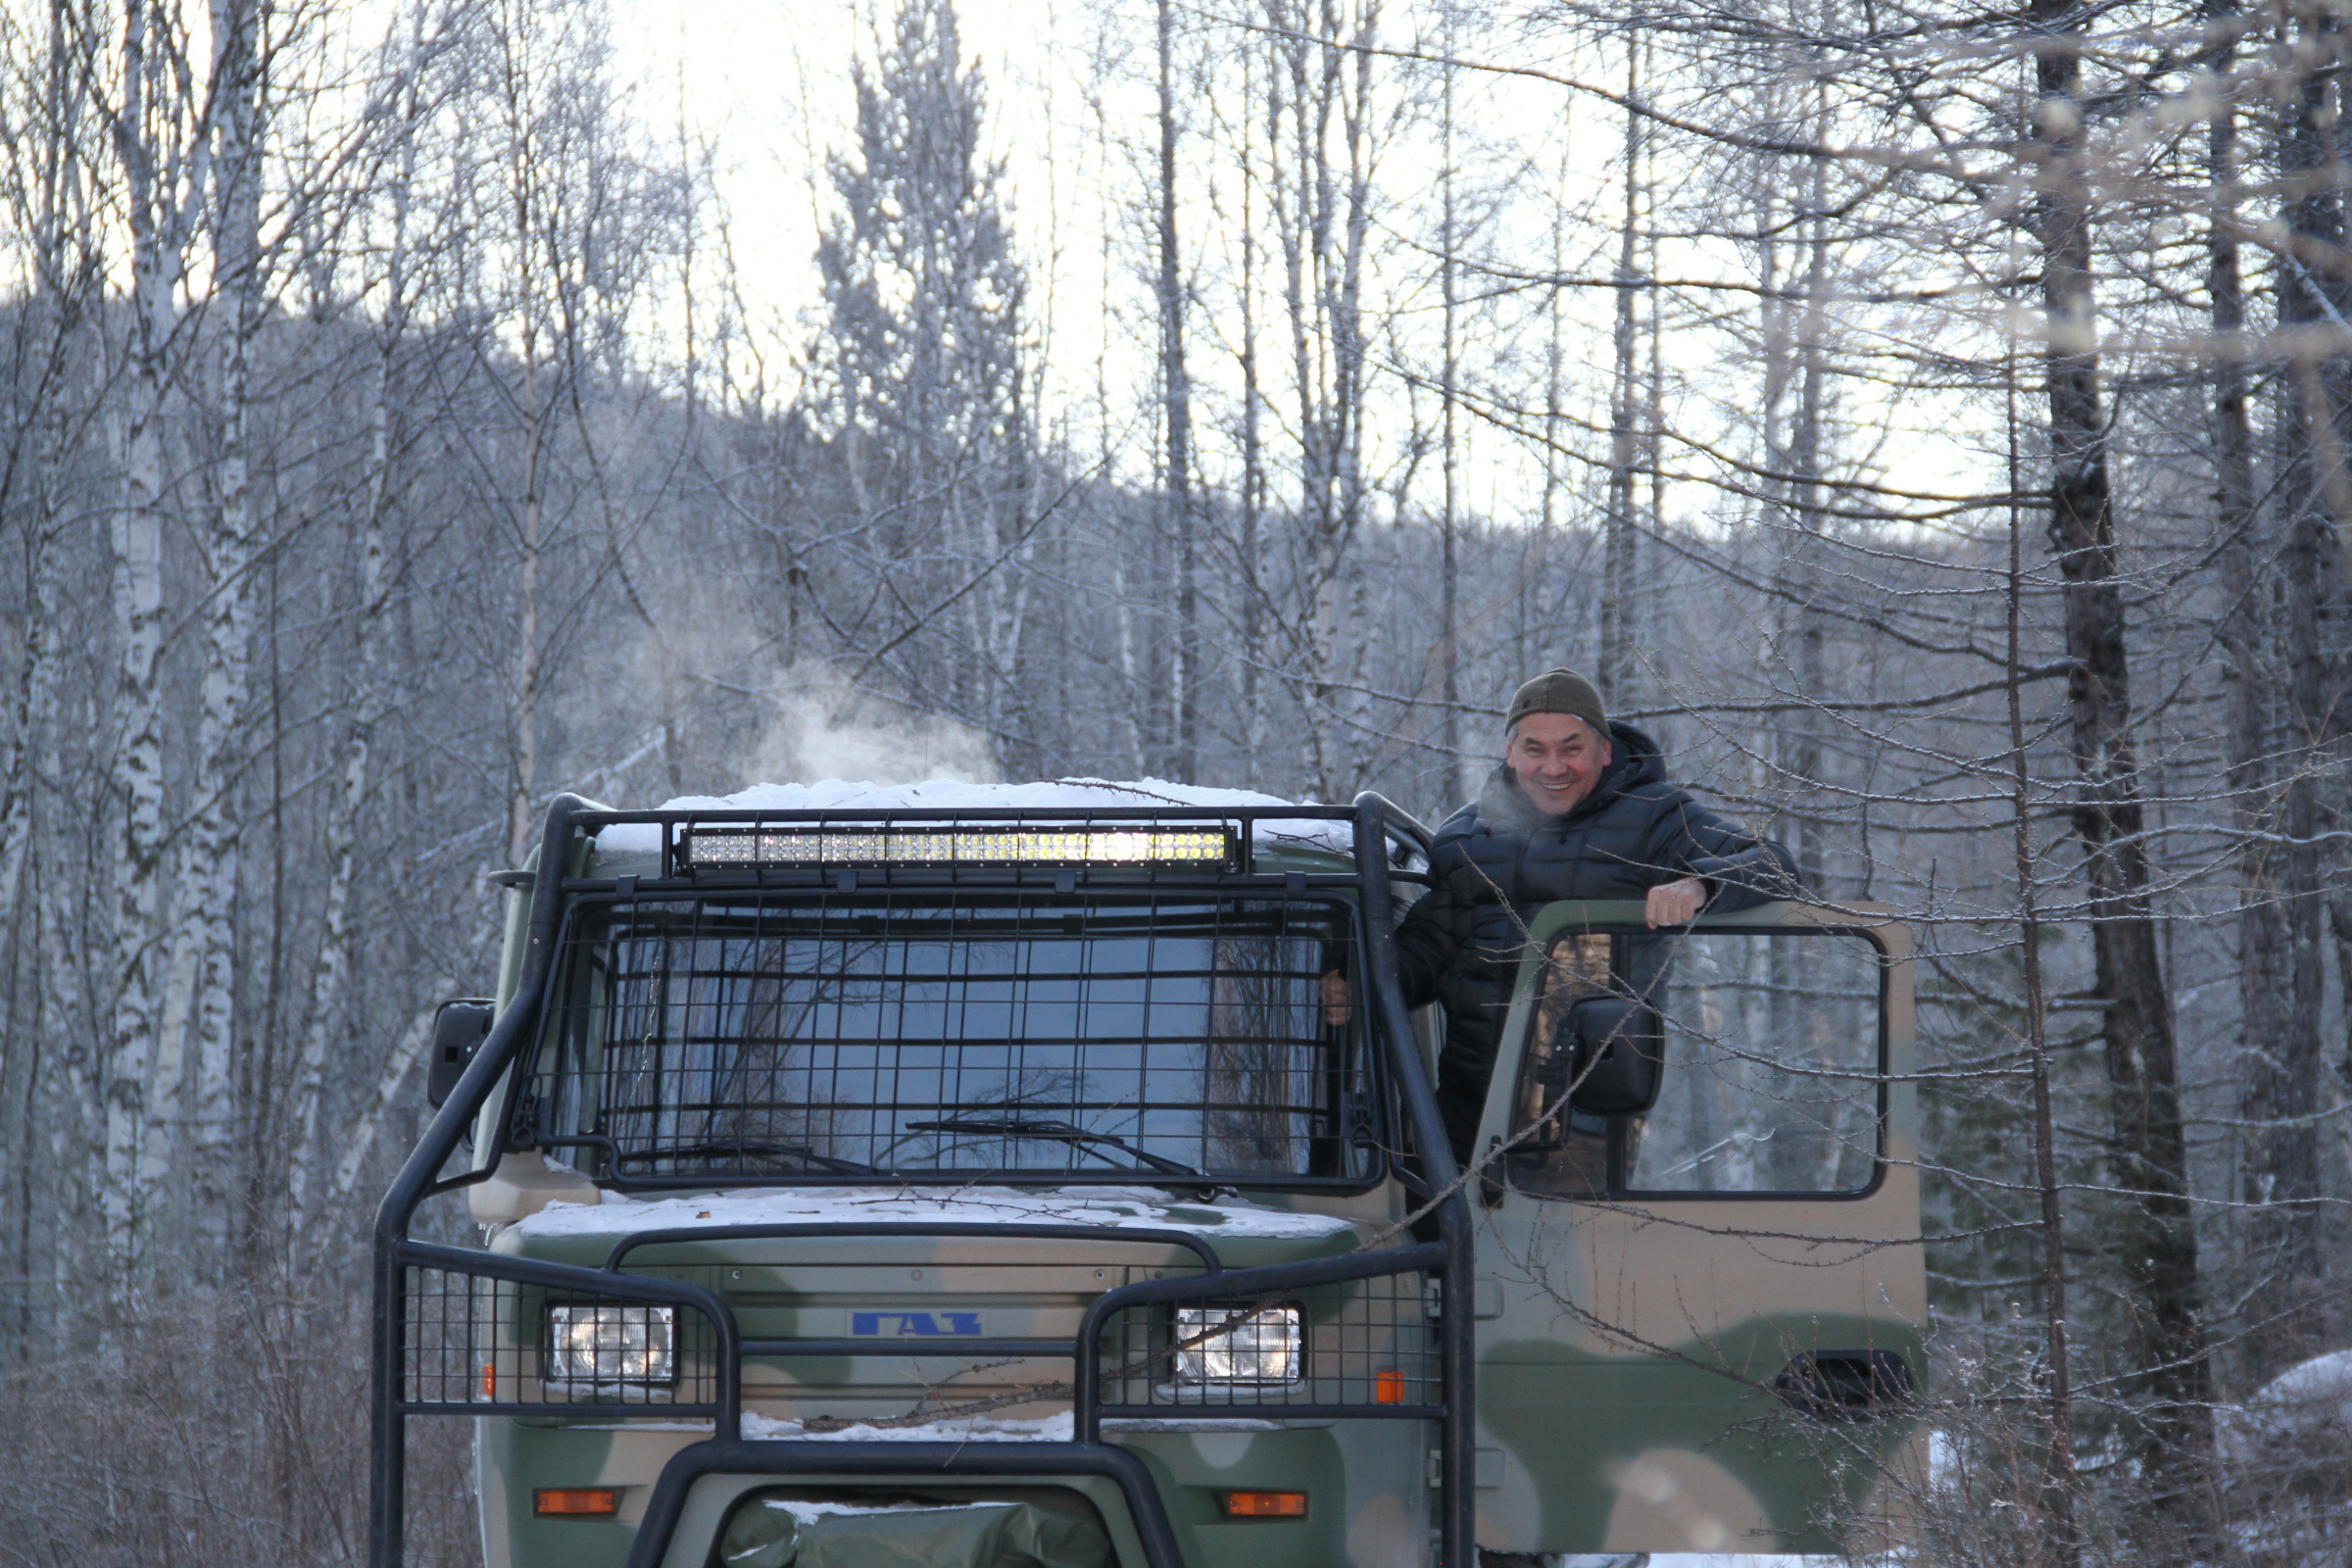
pixel 1611 1048
pixel 1615 1047
pixel 459 1029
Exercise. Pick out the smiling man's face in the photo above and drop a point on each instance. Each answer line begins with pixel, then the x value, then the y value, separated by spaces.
pixel 1557 759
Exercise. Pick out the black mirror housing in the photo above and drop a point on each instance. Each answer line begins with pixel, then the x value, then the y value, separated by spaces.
pixel 1605 1057
pixel 459 1029
pixel 1616 1048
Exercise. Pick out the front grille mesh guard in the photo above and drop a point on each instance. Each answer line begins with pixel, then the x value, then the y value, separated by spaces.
pixel 1366 1342
pixel 1385 1334
pixel 483 1335
pixel 1353 1335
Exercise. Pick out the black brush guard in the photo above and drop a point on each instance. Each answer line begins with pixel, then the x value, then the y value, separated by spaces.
pixel 440 1309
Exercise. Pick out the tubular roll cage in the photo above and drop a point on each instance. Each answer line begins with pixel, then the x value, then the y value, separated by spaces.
pixel 1376 824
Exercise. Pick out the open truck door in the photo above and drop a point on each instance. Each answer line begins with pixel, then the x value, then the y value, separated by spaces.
pixel 1700 1295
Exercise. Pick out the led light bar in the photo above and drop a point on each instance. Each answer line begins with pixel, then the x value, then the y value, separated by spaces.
pixel 725 848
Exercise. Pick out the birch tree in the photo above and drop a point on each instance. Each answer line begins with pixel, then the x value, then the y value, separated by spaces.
pixel 196 1026
pixel 161 139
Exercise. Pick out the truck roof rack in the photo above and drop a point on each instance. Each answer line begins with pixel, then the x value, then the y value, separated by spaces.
pixel 706 844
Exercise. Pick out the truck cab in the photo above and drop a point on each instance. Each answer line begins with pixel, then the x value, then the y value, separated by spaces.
pixel 1001 1183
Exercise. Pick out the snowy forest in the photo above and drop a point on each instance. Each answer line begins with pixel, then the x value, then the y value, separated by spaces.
pixel 1929 422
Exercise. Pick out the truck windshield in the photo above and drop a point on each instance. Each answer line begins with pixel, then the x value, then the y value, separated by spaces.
pixel 1145 1038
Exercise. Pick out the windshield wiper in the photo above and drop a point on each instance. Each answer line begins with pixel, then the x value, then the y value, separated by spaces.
pixel 748 1148
pixel 1060 1132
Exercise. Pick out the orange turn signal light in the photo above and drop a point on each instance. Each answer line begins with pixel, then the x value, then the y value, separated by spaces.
pixel 575 1502
pixel 1264 1504
pixel 1388 1387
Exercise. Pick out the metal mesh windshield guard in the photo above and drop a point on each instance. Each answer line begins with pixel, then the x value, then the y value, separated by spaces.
pixel 1354 1347
pixel 1109 1036
pixel 476 1339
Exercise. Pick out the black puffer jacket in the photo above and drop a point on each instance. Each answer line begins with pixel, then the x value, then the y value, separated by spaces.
pixel 1497 859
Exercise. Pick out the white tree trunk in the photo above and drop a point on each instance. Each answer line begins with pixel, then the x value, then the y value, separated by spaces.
pixel 33 699
pixel 331 978
pixel 528 649
pixel 135 1077
pixel 209 871
pixel 195 1042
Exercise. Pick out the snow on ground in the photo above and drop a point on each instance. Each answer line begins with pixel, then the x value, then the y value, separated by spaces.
pixel 2296 1407
pixel 845 795
pixel 2321 1385
pixel 1110 1208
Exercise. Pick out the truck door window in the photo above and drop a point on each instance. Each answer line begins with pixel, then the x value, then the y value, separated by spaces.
pixel 1773 1077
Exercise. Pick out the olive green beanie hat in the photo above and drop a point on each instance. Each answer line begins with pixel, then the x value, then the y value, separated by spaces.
pixel 1560 691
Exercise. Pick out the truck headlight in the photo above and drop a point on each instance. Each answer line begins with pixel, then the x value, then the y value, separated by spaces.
pixel 1218 1345
pixel 611 1343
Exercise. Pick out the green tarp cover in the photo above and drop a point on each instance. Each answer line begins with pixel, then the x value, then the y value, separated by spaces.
pixel 769 1532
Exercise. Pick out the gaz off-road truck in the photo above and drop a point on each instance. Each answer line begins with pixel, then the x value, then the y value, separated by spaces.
pixel 1001 1184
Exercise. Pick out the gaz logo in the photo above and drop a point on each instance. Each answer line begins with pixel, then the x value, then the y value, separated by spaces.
pixel 917 1325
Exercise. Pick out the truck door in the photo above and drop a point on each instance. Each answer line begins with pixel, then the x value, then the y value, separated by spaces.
pixel 1700 1293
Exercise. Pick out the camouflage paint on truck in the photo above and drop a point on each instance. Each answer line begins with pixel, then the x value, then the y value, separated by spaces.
pixel 927 1291
pixel 1636 1348
pixel 1656 1368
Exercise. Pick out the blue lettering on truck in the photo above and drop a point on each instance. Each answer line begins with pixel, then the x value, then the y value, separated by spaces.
pixel 941 1325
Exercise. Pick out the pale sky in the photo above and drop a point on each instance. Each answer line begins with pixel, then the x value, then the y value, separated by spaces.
pixel 766 82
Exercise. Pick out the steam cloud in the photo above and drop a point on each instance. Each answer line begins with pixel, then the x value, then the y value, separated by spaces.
pixel 822 729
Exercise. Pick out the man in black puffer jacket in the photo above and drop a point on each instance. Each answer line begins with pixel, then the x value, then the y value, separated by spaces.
pixel 1580 808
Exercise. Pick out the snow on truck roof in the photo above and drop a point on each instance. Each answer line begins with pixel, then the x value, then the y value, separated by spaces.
pixel 1110 1208
pixel 952 795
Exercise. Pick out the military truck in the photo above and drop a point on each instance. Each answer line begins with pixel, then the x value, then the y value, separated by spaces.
pixel 1007 1182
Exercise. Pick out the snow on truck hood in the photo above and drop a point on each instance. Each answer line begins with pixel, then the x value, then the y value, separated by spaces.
pixel 952 795
pixel 1110 1208
pixel 1058 1428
